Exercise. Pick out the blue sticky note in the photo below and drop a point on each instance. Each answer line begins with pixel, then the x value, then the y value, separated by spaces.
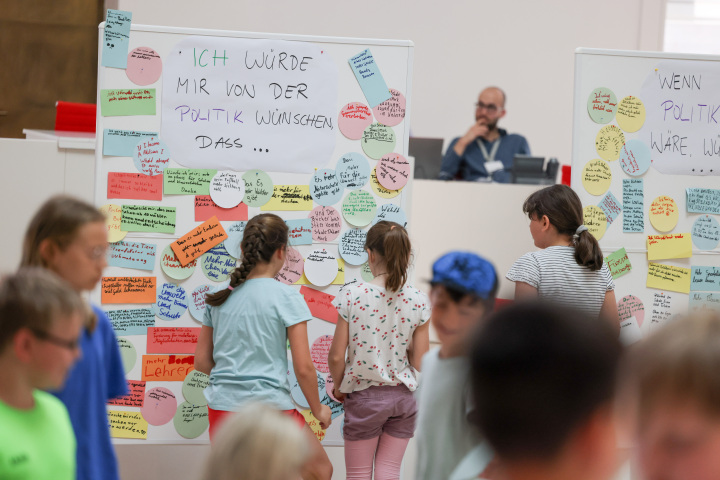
pixel 300 231
pixel 706 232
pixel 171 302
pixel 121 143
pixel 633 205
pixel 703 200
pixel 132 255
pixel 116 38
pixel 705 279
pixel 611 207
pixel 369 77
pixel 704 301
pixel 131 321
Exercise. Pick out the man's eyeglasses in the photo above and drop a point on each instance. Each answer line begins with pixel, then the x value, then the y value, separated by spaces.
pixel 61 342
pixel 489 107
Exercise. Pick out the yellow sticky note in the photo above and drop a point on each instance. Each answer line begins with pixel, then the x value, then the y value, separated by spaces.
pixel 113 216
pixel 289 197
pixel 127 424
pixel 677 245
pixel 596 177
pixel 668 277
pixel 630 114
pixel 664 213
pixel 609 141
pixel 595 220
pixel 381 191
pixel 314 424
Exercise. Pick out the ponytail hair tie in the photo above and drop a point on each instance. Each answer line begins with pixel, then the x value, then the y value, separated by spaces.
pixel 230 287
pixel 580 229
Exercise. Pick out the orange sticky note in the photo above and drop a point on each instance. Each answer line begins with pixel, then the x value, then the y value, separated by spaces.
pixel 167 368
pixel 128 290
pixel 172 339
pixel 320 304
pixel 134 186
pixel 198 241
pixel 205 208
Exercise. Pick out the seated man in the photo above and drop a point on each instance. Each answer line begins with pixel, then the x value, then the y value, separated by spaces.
pixel 485 151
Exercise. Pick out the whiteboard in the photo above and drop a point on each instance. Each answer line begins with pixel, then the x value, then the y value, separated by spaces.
pixel 647 76
pixel 394 59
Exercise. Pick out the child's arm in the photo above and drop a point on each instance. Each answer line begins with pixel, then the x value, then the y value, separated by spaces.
pixel 204 362
pixel 420 345
pixel 305 372
pixel 336 356
pixel 525 290
pixel 609 311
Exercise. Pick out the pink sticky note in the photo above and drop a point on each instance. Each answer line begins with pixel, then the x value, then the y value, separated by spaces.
pixel 320 304
pixel 134 186
pixel 292 269
pixel 354 118
pixel 392 111
pixel 144 66
pixel 319 353
pixel 159 406
pixel 205 209
pixel 393 171
pixel 172 339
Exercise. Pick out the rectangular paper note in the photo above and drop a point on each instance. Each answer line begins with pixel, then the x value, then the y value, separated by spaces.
pixel 205 209
pixel 675 245
pixel 633 205
pixel 145 218
pixel 703 200
pixel 187 181
pixel 136 397
pixel 630 331
pixel 128 290
pixel 167 368
pixel 289 197
pixel 127 424
pixel 198 241
pixel 705 279
pixel 660 313
pixel 172 339
pixel 131 321
pixel 611 207
pixel 369 77
pixel 320 304
pixel 118 103
pixel 705 301
pixel 116 38
pixel 618 263
pixel 127 254
pixel 134 186
pixel 668 277
pixel 121 143
pixel 300 231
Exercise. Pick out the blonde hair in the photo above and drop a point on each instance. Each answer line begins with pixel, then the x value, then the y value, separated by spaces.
pixel 258 443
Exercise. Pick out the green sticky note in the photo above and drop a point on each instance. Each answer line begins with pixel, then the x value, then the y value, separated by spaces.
pixel 187 181
pixel 137 101
pixel 145 218
pixel 618 263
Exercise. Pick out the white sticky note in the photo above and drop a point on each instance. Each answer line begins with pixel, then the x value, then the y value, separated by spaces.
pixel 630 331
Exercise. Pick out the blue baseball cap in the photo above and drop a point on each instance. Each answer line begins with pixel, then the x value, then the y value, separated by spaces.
pixel 465 271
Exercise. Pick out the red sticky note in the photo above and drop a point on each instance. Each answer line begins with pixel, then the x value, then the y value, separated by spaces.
pixel 134 186
pixel 172 339
pixel 128 290
pixel 320 304
pixel 198 241
pixel 167 368
pixel 205 208
pixel 136 397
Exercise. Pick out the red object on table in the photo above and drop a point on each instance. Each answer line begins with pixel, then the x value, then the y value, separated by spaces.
pixel 75 117
pixel 565 175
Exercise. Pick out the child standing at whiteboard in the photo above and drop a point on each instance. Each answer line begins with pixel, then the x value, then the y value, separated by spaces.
pixel 383 328
pixel 69 237
pixel 569 270
pixel 242 344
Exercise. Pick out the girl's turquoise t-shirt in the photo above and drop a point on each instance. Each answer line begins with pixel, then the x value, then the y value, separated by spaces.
pixel 250 344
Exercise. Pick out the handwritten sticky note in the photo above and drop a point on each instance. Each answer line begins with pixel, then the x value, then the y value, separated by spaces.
pixel 118 103
pixel 134 186
pixel 705 279
pixel 633 205
pixel 167 368
pixel 630 331
pixel 300 231
pixel 618 263
pixel 121 143
pixel 132 255
pixel 289 197
pixel 596 176
pixel 205 209
pixel 705 301
pixel 172 339
pixel 610 205
pixel 127 424
pixel 136 397
pixel 145 218
pixel 703 200
pixel 320 304
pixel 116 38
pixel 128 290
pixel 198 241
pixel 187 181
pixel 668 277
pixel 674 245
pixel 131 321
pixel 369 77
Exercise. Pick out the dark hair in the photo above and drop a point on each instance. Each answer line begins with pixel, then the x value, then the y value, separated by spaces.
pixel 458 295
pixel 563 208
pixel 264 234
pixel 538 372
pixel 390 240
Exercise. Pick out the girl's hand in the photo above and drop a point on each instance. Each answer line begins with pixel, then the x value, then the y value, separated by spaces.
pixel 339 396
pixel 324 416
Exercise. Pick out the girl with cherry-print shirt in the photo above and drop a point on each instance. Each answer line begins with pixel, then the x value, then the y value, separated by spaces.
pixel 380 338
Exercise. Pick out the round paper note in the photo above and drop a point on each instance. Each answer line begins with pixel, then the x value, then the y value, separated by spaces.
pixel 391 213
pixel 377 140
pixel 326 223
pixel 292 269
pixel 366 273
pixel 235 235
pixel 227 189
pixel 353 170
pixel 630 114
pixel 595 220
pixel 128 354
pixel 171 302
pixel 197 303
pixel 194 386
pixel 352 246
pixel 325 187
pixel 631 306
pixel 381 191
pixel 295 390
pixel 706 232
pixel 172 267
pixel 596 177
pixel 635 158
pixel 217 264
pixel 144 66
pixel 336 408
pixel 152 156
pixel 354 118
pixel 609 142
pixel 601 105
pixel 159 406
pixel 113 218
pixel 330 386
pixel 321 267
pixel 258 188
pixel 359 208
pixel 392 111
pixel 664 214
pixel 393 171
pixel 191 421
pixel 319 353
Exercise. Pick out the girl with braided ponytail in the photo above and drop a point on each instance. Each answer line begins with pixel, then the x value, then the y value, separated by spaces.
pixel 242 343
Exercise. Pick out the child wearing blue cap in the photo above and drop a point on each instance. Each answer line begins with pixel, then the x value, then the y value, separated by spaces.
pixel 464 286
